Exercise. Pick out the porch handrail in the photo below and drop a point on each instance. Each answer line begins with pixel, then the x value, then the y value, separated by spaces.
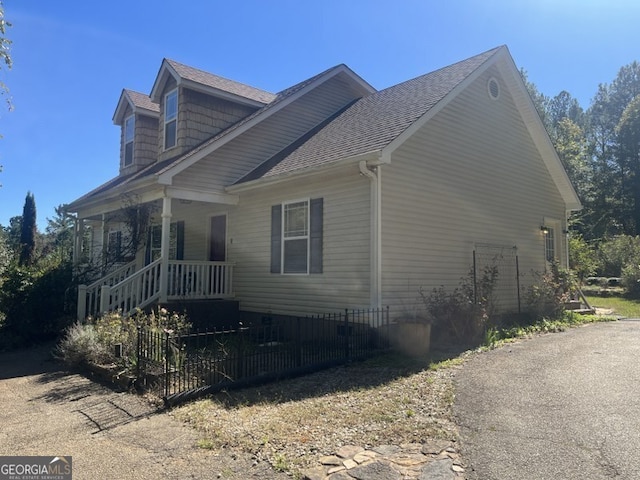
pixel 116 276
pixel 136 291
pixel 89 295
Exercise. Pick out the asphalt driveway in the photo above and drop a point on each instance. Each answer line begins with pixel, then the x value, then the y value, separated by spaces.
pixel 564 405
pixel 46 410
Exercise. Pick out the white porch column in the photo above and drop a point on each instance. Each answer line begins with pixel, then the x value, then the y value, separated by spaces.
pixel 164 248
pixel 78 228
pixel 105 240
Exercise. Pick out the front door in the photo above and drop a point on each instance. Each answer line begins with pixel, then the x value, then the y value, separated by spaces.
pixel 218 239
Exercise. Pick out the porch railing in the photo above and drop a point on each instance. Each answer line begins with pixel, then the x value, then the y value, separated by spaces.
pixel 185 280
pixel 198 280
pixel 89 295
pixel 137 291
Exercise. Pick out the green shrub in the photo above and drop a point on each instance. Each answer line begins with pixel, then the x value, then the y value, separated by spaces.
pixel 464 313
pixel 545 298
pixel 631 279
pixel 95 341
pixel 80 345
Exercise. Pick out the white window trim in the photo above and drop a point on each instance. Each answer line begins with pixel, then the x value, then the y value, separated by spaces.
pixel 556 225
pixel 130 141
pixel 284 239
pixel 172 119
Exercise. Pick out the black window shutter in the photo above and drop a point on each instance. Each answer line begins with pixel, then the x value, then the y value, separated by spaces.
pixel 276 238
pixel 316 226
pixel 180 240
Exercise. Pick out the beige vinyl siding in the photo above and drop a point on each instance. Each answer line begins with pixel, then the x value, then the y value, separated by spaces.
pixel 241 155
pixel 345 280
pixel 470 176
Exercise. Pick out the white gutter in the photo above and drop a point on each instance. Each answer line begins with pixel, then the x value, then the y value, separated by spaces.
pixel 374 174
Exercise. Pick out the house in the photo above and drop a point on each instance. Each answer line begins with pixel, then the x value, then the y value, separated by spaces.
pixel 327 195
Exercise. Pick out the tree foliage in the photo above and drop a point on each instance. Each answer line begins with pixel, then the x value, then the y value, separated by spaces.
pixel 28 231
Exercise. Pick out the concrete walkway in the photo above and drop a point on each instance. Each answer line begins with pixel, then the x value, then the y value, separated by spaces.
pixel 45 410
pixel 564 405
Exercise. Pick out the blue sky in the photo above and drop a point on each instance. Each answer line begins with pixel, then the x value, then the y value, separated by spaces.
pixel 72 59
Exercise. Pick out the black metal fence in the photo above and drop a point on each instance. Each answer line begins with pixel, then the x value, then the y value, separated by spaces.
pixel 184 366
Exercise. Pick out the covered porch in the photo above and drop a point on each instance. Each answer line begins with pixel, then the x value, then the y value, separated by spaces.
pixel 163 247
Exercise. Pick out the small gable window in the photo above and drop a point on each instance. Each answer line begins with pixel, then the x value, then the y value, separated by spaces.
pixel 170 119
pixel 129 129
pixel 296 237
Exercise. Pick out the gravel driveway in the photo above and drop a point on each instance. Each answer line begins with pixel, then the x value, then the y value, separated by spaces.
pixel 564 406
pixel 45 410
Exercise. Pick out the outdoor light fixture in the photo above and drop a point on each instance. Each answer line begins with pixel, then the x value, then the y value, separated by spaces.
pixel 544 229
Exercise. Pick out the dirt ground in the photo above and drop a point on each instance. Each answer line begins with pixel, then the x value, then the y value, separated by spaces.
pixel 47 410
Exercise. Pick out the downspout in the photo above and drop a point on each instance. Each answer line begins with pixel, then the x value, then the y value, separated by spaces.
pixel 566 236
pixel 374 175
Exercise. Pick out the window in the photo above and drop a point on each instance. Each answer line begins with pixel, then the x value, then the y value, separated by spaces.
pixel 549 244
pixel 176 242
pixel 114 246
pixel 170 119
pixel 129 129
pixel 296 237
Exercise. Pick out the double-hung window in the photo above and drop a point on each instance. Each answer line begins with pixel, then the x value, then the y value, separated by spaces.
pixel 550 244
pixel 170 119
pixel 129 130
pixel 176 242
pixel 297 237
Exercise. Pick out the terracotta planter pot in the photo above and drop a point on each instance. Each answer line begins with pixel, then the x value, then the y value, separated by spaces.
pixel 412 339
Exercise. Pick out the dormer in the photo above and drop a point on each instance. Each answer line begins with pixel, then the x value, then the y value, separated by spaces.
pixel 138 118
pixel 195 105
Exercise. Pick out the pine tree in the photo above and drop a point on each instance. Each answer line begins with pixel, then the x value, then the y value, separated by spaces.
pixel 28 231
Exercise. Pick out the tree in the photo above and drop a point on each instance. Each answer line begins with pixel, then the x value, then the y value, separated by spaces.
pixel 28 231
pixel 5 55
pixel 59 234
pixel 628 139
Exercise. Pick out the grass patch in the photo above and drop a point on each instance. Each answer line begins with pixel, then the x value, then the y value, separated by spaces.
pixel 497 336
pixel 624 307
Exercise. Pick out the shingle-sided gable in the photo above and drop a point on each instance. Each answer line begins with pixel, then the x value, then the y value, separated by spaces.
pixel 376 120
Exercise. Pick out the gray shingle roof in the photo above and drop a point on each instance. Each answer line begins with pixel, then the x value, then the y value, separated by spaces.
pixel 279 98
pixel 374 121
pixel 221 83
pixel 142 100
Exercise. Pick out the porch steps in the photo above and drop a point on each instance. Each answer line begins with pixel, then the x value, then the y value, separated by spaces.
pixel 208 314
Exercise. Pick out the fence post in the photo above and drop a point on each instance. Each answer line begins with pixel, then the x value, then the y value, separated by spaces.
pixel 298 343
pixel 387 337
pixel 167 352
pixel 139 354
pixel 241 350
pixel 346 334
